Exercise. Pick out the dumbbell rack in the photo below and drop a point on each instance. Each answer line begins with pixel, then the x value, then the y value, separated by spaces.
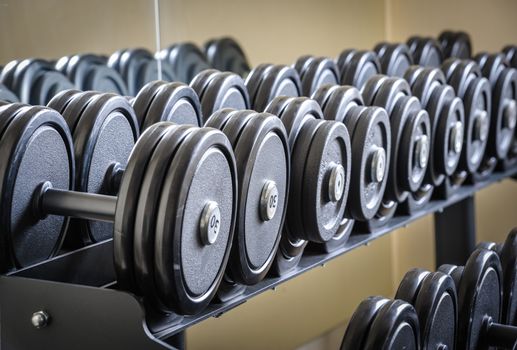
pixel 78 289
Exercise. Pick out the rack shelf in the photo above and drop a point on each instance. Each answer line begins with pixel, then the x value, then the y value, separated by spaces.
pixel 71 276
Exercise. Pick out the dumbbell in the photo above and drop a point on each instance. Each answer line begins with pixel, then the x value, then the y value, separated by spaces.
pixel 468 83
pixel 173 216
pixel 380 323
pixel 455 44
pixel 161 101
pixel 369 130
pixel 7 95
pixel 479 285
pixel 411 139
pixel 357 67
pixel 447 116
pixel 34 81
pixel 508 255
pixel 395 59
pixel 138 67
pixel 218 90
pixel 185 59
pixel 259 141
pixel 433 295
pixel 104 131
pixel 510 53
pixel 320 177
pixel 503 120
pixel 267 81
pixel 315 72
pixel 90 72
pixel 426 51
pixel 225 54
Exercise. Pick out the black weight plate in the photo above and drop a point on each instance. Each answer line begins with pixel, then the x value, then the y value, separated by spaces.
pixel 295 221
pixel 294 112
pixel 410 285
pixel 476 101
pixel 371 132
pixel 508 256
pixel 127 203
pixel 318 72
pixel 147 208
pixel 148 71
pixel 76 106
pixel 189 287
pixel 414 156
pixel 438 98
pixel 395 60
pixel 219 119
pixel 503 108
pixel 330 148
pixel 461 46
pixel 254 79
pixel 344 58
pixel 395 327
pixel 479 296
pixel 47 85
pixel 144 98
pixel 362 66
pixel 262 140
pixel 463 75
pixel 492 65
pixel 412 74
pixel 449 66
pixel 105 79
pixel 279 80
pixel 115 59
pixel 302 64
pixel 186 60
pixel 7 74
pixel 357 331
pixel 201 80
pixel 224 90
pixel 8 112
pixel 174 102
pixel 62 99
pixel 428 79
pixel 380 49
pixel 447 158
pixel 428 53
pixel 437 310
pixel 107 117
pixel 7 95
pixel 25 239
pixel 371 88
pixel 336 100
pixel 20 78
pixel 510 52
pixel 389 92
pixel 227 55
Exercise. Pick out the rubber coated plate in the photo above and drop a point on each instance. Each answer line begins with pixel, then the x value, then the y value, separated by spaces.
pixel 395 60
pixel 509 264
pixel 371 88
pixel 336 100
pixel 436 307
pixel 62 99
pixel 362 66
pixel 190 185
pixel 410 285
pixel 7 95
pixel 370 133
pixel 127 203
pixel 254 79
pixel 479 296
pixel 225 90
pixel 25 168
pixel 319 71
pixel 395 327
pixel 144 98
pixel 262 142
pixel 174 102
pixel 330 148
pixel 358 329
pixel 447 158
pixel 277 81
pixel 147 208
pixel 106 118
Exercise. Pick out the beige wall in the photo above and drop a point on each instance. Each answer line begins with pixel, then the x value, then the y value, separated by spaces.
pixel 280 31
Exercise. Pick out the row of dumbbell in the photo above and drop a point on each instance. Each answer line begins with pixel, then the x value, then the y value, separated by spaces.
pixel 457 307
pixel 36 81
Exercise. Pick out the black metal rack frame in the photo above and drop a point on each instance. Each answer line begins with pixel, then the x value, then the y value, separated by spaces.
pixel 78 289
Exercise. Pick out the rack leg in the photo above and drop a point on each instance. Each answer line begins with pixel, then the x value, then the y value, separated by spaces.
pixel 455 232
